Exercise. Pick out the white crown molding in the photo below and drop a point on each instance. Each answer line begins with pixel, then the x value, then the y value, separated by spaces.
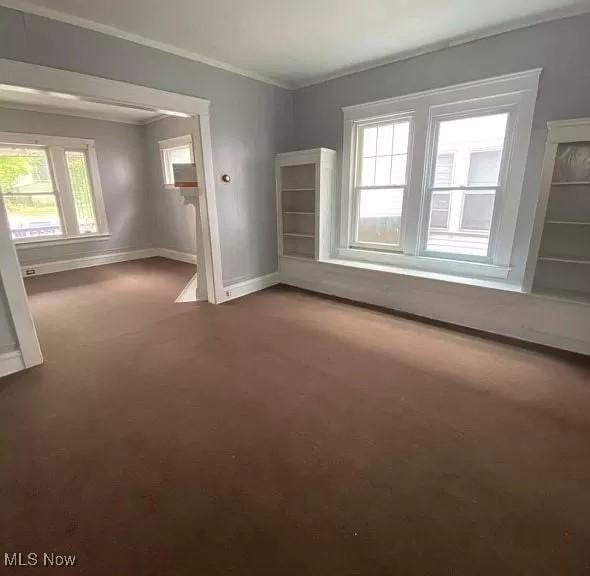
pixel 32 8
pixel 557 14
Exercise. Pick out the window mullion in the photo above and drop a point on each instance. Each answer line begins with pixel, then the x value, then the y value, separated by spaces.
pixel 64 190
pixel 413 194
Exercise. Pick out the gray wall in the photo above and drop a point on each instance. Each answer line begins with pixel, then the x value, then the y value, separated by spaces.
pixel 250 122
pixel 560 48
pixel 121 162
pixel 172 223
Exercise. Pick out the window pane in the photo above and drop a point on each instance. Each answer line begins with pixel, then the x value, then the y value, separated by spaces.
pixel 380 216
pixel 368 172
pixel 81 191
pixel 383 171
pixel 32 215
pixel 469 221
pixel 443 175
pixel 484 168
pixel 441 201
pixel 24 171
pixel 384 140
pixel 370 141
pixel 398 169
pixel 400 138
pixel 466 137
pixel 478 209
pixel 180 155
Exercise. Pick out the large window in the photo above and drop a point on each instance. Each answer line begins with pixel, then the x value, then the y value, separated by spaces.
pixel 48 188
pixel 475 145
pixel 433 180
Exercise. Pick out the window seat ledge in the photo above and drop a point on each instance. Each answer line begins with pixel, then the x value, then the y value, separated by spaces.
pixel 452 278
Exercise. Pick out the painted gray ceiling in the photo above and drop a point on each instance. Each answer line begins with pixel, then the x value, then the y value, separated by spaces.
pixel 297 43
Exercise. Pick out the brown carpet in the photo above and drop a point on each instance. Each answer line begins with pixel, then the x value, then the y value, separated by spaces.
pixel 285 434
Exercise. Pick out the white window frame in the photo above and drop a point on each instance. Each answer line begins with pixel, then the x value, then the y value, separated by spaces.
pixel 56 147
pixel 167 146
pixel 513 93
pixel 357 187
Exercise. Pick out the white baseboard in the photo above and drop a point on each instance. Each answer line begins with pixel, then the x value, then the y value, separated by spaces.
pixel 176 255
pixel 248 286
pixel 11 362
pixel 101 259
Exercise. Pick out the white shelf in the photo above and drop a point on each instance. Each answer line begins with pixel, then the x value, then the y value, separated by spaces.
pixel 298 212
pixel 567 222
pixel 298 235
pixel 571 183
pixel 566 260
pixel 298 190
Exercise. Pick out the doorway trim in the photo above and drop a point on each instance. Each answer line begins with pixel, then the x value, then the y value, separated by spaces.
pixel 118 93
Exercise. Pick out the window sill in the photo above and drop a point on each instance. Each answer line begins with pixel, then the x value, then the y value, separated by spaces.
pixel 451 278
pixel 60 241
pixel 425 266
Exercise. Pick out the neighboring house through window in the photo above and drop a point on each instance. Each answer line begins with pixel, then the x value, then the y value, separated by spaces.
pixel 50 187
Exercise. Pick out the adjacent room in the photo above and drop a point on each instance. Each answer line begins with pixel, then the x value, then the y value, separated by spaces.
pixel 296 290
pixel 87 183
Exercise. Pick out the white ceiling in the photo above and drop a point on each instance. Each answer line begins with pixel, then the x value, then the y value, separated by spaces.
pixel 31 99
pixel 299 42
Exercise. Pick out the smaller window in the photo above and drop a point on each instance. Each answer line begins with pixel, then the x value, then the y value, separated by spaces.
pixel 77 165
pixel 175 151
pixel 381 183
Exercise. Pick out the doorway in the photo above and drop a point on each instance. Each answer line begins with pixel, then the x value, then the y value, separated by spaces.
pixel 93 92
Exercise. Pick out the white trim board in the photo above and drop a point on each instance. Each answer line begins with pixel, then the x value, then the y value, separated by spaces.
pixel 107 258
pixel 11 362
pixel 189 292
pixel 176 255
pixel 559 324
pixel 249 286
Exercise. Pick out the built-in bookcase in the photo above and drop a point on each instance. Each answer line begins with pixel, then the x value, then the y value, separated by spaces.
pixel 304 196
pixel 559 263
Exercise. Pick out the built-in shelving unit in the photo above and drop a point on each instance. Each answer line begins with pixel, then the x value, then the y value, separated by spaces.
pixel 559 261
pixel 304 194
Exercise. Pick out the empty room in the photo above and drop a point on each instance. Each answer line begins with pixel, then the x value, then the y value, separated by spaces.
pixel 295 289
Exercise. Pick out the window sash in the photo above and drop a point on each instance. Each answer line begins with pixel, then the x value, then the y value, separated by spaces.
pixel 459 111
pixel 358 187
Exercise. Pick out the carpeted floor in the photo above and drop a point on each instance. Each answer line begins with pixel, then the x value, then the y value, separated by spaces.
pixel 285 434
